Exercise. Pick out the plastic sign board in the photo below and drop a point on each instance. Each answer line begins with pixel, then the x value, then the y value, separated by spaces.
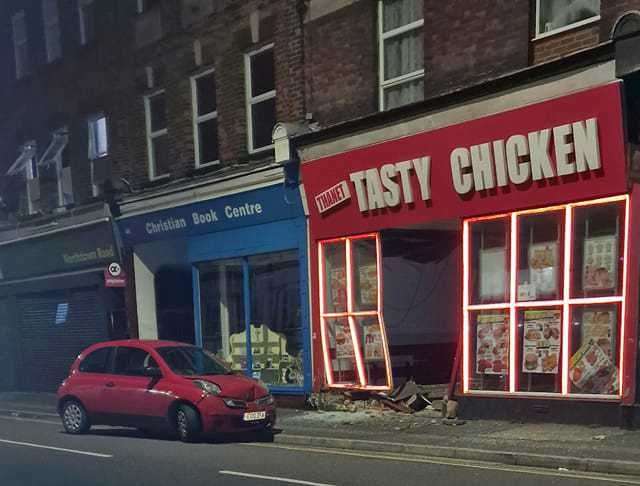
pixel 114 276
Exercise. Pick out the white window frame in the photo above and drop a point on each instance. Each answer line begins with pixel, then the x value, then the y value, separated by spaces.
pixel 51 22
pixel 197 119
pixel 81 4
pixel 30 172
pixel 253 100
pixel 21 63
pixel 61 133
pixel 575 25
pixel 382 37
pixel 153 135
pixel 92 154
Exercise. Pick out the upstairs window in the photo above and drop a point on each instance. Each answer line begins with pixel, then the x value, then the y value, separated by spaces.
pixel 157 134
pixel 98 144
pixel 86 21
pixel 51 29
pixel 261 98
pixel 205 118
pixel 401 46
pixel 54 166
pixel 558 15
pixel 20 44
pixel 26 165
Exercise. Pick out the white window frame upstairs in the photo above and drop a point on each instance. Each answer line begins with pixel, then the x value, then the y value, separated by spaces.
pixel 20 43
pixel 153 135
pixel 82 19
pixel 93 153
pixel 574 25
pixel 383 36
pixel 59 141
pixel 197 119
pixel 253 100
pixel 51 21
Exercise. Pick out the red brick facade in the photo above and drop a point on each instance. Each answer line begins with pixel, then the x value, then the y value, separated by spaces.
pixel 326 70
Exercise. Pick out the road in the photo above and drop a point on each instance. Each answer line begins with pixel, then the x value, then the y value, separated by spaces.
pixel 37 452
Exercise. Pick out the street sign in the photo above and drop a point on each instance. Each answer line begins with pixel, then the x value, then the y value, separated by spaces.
pixel 114 276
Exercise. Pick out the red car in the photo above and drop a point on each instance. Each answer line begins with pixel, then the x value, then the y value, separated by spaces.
pixel 153 384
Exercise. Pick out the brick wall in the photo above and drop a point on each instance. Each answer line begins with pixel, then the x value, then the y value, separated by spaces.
pixel 559 45
pixel 341 63
pixel 468 41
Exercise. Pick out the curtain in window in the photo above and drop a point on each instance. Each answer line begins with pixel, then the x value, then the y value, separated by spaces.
pixel 401 12
pixel 555 14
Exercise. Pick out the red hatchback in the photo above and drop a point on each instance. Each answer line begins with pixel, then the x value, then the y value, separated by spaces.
pixel 153 384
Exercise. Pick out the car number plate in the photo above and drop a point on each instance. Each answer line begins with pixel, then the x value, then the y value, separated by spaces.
pixel 251 416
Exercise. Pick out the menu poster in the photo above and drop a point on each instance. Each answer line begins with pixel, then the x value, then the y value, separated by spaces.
pixel 368 285
pixel 543 267
pixel 344 343
pixel 492 273
pixel 338 289
pixel 541 341
pixel 492 341
pixel 599 325
pixel 591 370
pixel 600 263
pixel 373 342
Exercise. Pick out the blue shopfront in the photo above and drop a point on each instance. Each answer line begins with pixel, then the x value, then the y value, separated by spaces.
pixel 245 255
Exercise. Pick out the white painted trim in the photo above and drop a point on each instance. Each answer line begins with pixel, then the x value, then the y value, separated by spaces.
pixel 251 100
pixel 415 25
pixel 523 95
pixel 197 119
pixel 541 35
pixel 152 135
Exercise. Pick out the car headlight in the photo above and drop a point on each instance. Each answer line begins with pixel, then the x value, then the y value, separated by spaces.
pixel 230 402
pixel 207 387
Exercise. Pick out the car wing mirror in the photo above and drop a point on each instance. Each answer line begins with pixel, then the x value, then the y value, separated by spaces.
pixel 152 372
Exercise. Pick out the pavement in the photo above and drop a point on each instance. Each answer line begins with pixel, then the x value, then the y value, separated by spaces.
pixel 425 436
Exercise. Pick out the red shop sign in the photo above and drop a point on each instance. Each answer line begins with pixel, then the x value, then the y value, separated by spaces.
pixel 562 150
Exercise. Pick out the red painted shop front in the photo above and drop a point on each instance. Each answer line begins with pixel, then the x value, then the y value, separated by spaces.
pixel 503 240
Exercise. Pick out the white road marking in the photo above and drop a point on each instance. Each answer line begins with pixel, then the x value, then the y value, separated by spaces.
pixel 273 478
pixel 38 421
pixel 28 412
pixel 59 449
pixel 462 463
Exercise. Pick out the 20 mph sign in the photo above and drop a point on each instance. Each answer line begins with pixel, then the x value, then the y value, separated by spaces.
pixel 114 276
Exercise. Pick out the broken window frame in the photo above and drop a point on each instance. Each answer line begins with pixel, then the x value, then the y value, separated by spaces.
pixel 351 315
pixel 20 43
pixel 53 154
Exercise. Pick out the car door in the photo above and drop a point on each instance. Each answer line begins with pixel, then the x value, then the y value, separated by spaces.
pixel 92 378
pixel 133 397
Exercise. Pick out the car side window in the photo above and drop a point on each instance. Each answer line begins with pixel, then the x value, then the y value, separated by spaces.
pixel 97 361
pixel 133 361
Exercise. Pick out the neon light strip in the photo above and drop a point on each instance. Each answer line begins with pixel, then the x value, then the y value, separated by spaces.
pixel 381 325
pixel 328 369
pixel 465 306
pixel 512 301
pixel 596 300
pixel 602 200
pixel 347 314
pixel 355 341
pixel 623 318
pixel 487 218
pixel 566 294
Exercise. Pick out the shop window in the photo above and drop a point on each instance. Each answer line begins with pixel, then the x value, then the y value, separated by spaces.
pixel 261 98
pixel 251 316
pixel 353 332
pixel 157 134
pixel 205 118
pixel 401 58
pixel 558 15
pixel 558 327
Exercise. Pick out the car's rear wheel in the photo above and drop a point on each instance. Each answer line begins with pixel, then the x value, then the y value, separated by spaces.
pixel 74 418
pixel 188 426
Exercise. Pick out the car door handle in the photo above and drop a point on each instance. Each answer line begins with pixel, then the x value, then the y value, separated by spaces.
pixel 110 384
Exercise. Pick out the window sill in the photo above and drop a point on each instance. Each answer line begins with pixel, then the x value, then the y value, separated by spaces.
pixel 566 28
pixel 539 395
pixel 254 151
pixel 206 165
pixel 159 178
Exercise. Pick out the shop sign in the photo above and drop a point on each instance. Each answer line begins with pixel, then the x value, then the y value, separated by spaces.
pixel 90 246
pixel 114 276
pixel 556 151
pixel 238 210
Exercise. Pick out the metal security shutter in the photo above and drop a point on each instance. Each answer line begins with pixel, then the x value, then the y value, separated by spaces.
pixel 55 327
pixel 7 342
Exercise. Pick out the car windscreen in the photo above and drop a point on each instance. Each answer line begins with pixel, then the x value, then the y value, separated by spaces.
pixel 189 360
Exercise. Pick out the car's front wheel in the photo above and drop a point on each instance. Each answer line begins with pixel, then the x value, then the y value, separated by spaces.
pixel 188 424
pixel 74 418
